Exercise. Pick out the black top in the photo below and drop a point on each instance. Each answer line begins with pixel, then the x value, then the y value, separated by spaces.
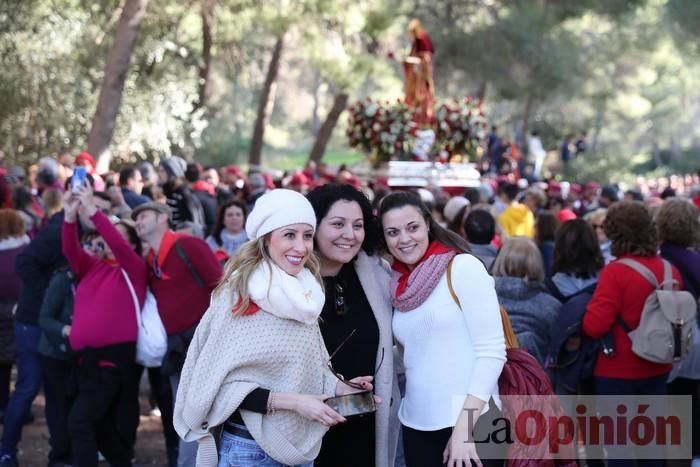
pixel 35 266
pixel 346 308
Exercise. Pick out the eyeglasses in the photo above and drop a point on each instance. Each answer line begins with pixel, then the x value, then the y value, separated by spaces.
pixel 597 226
pixel 340 308
pixel 341 377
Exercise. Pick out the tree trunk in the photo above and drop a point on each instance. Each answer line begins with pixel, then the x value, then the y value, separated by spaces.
pixel 315 121
pixel 207 14
pixel 340 102
pixel 264 108
pixel 481 92
pixel 526 119
pixel 105 118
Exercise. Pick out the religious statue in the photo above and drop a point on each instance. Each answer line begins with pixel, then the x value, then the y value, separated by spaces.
pixel 418 68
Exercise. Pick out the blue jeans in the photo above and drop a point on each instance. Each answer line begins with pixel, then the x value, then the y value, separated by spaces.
pixel 236 451
pixel 29 376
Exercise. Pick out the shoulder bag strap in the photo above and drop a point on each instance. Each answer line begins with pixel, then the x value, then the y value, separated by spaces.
pixel 183 256
pixel 668 282
pixel 641 269
pixel 508 333
pixel 449 284
pixel 133 297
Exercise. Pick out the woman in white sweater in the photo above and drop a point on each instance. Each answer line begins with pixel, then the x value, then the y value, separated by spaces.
pixel 257 364
pixel 453 355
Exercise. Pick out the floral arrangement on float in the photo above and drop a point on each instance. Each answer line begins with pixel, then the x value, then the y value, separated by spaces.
pixel 382 130
pixel 462 129
pixel 385 131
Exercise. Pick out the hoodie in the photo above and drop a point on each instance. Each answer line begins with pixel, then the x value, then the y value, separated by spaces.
pixel 517 219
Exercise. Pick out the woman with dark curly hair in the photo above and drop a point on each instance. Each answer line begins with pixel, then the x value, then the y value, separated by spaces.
pixel 620 294
pixel 678 226
pixel 358 302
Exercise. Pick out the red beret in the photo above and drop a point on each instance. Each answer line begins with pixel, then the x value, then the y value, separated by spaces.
pixel 85 157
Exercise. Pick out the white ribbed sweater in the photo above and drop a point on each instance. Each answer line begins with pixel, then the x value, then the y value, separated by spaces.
pixel 450 352
pixel 228 358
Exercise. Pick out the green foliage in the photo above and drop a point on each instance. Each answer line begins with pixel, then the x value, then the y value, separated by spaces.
pixel 626 71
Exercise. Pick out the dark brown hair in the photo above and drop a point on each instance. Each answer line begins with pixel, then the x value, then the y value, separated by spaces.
pixel 545 226
pixel 677 223
pixel 132 235
pixel 219 225
pixel 399 199
pixel 576 250
pixel 631 230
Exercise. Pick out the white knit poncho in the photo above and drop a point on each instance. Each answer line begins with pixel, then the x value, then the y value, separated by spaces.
pixel 229 357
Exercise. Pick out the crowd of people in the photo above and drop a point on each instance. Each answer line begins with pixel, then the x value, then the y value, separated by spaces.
pixel 276 294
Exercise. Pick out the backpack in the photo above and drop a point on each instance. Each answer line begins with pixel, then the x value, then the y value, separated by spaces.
pixel 572 355
pixel 152 340
pixel 665 331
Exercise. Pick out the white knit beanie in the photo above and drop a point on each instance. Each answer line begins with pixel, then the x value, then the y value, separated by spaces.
pixel 276 209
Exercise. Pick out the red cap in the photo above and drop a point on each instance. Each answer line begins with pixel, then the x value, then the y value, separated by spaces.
pixel 566 215
pixel 85 157
pixel 576 188
pixel 233 170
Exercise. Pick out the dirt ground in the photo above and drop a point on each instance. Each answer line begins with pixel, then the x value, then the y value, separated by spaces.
pixel 150 444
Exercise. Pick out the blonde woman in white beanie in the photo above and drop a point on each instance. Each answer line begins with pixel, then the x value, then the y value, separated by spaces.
pixel 257 364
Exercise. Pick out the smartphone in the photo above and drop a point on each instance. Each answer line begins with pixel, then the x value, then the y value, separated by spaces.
pixel 351 405
pixel 79 179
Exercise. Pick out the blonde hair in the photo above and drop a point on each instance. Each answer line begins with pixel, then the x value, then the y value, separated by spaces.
pixel 519 257
pixel 415 26
pixel 240 266
pixel 596 217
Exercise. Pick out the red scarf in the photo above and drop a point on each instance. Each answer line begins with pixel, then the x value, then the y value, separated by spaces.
pixel 251 310
pixel 166 244
pixel 435 248
pixel 201 185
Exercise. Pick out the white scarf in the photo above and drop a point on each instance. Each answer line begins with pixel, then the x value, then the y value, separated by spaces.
pixel 11 243
pixel 299 297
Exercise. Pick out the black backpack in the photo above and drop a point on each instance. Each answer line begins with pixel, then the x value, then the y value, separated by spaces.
pixel 572 355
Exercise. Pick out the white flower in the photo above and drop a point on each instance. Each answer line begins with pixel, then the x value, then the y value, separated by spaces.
pixel 371 109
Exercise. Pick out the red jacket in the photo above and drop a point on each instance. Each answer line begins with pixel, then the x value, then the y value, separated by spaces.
pixel 622 291
pixel 181 301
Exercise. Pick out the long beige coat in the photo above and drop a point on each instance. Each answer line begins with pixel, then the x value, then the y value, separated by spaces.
pixel 374 275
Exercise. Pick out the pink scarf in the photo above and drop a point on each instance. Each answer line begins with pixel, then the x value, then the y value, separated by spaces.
pixel 412 287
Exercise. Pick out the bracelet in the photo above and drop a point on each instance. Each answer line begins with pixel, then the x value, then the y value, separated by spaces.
pixel 271 403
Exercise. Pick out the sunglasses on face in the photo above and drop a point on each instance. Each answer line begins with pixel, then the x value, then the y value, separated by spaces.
pixel 97 246
pixel 341 377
